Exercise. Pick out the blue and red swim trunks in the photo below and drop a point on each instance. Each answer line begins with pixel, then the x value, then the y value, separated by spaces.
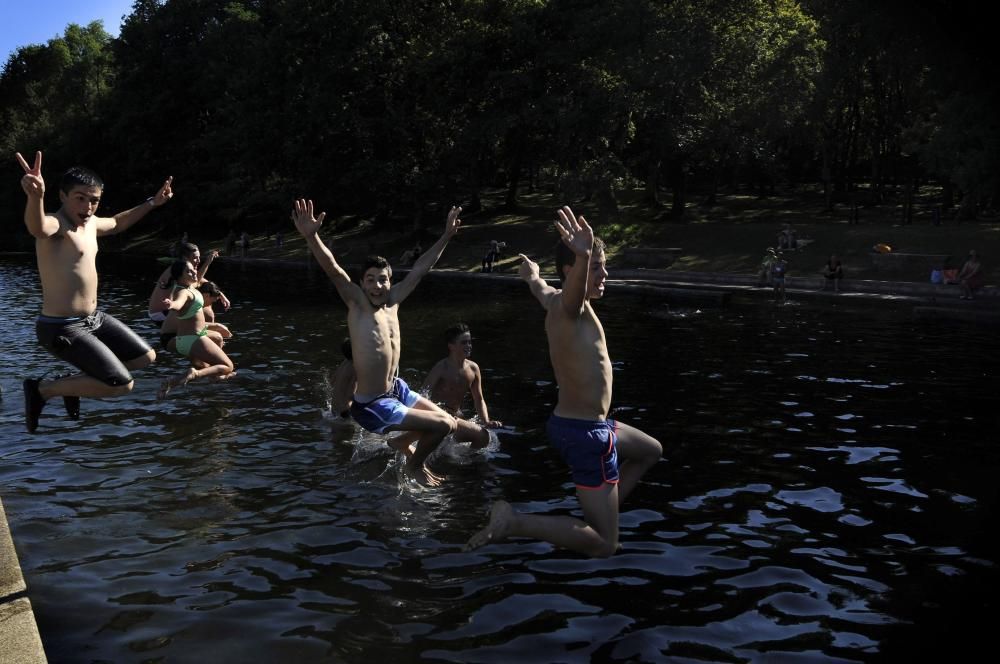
pixel 589 448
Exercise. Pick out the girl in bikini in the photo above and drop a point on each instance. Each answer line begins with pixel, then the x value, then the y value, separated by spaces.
pixel 187 303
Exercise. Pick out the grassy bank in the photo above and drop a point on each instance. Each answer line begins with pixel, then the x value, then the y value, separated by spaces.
pixel 729 236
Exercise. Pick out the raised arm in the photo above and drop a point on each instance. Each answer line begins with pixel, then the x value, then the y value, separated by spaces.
pixel 203 268
pixel 308 226
pixel 579 237
pixel 125 220
pixel 528 271
pixel 39 225
pixel 427 259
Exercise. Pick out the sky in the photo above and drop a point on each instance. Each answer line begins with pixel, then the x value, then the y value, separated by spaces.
pixel 24 22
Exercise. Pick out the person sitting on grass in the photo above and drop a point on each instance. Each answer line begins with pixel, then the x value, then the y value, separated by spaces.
pixel 970 277
pixel 766 263
pixel 833 272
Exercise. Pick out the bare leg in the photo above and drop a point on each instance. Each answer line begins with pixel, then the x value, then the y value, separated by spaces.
pixel 403 441
pixel 469 432
pixel 81 385
pixel 637 453
pixel 430 424
pixel 171 383
pixel 596 537
pixel 141 361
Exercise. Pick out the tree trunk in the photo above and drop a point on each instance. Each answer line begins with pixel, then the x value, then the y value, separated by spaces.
pixel 514 175
pixel 652 196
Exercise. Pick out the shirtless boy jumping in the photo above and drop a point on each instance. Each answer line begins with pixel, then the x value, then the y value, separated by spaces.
pixel 456 375
pixel 71 326
pixel 382 401
pixel 607 458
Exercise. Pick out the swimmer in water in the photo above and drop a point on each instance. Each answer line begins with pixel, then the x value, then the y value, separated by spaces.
pixel 456 375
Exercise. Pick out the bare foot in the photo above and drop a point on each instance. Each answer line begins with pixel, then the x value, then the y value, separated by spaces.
pixel 423 475
pixel 164 390
pixel 227 376
pixel 501 520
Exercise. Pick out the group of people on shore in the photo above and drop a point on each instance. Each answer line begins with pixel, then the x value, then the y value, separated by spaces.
pixel 606 457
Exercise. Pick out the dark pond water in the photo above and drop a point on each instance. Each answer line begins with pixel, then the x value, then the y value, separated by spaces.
pixel 828 490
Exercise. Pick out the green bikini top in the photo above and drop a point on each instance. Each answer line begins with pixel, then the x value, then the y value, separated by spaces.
pixel 197 304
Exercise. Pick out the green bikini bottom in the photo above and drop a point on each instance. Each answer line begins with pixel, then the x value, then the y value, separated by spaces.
pixel 185 342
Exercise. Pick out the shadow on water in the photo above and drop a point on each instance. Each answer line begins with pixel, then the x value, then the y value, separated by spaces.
pixel 827 491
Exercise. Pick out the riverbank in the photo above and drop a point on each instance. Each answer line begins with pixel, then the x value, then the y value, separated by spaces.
pixel 729 236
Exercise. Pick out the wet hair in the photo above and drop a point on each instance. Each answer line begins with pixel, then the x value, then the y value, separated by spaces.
pixel 210 288
pixel 379 262
pixel 188 249
pixel 78 176
pixel 565 255
pixel 455 331
pixel 345 348
pixel 177 268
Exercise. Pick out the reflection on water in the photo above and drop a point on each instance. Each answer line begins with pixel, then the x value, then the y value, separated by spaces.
pixel 826 494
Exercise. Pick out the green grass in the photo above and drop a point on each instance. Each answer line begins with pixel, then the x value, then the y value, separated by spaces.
pixel 730 236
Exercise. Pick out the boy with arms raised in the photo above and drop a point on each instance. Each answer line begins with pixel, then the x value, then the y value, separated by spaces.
pixel 607 458
pixel 71 326
pixel 382 401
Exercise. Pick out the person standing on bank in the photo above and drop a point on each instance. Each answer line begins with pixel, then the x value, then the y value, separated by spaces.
pixel 71 326
pixel 607 458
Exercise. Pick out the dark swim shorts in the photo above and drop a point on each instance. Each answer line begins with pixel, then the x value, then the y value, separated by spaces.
pixel 589 448
pixel 98 345
pixel 386 410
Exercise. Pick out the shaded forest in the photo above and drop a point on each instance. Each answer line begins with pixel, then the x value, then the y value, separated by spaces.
pixel 392 110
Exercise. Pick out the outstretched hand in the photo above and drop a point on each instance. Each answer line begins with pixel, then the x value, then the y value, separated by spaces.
pixel 576 233
pixel 528 269
pixel 32 181
pixel 453 222
pixel 305 222
pixel 165 193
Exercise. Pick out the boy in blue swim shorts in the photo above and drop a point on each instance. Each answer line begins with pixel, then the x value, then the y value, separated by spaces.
pixel 606 457
pixel 382 402
pixel 387 410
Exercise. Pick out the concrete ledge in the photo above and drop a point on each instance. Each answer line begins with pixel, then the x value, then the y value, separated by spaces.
pixel 897 261
pixel 19 638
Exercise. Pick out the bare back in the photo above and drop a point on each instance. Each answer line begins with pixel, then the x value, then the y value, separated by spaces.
pixel 579 355
pixel 67 267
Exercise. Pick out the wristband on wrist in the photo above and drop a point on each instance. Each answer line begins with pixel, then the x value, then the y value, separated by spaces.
pixel 151 200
